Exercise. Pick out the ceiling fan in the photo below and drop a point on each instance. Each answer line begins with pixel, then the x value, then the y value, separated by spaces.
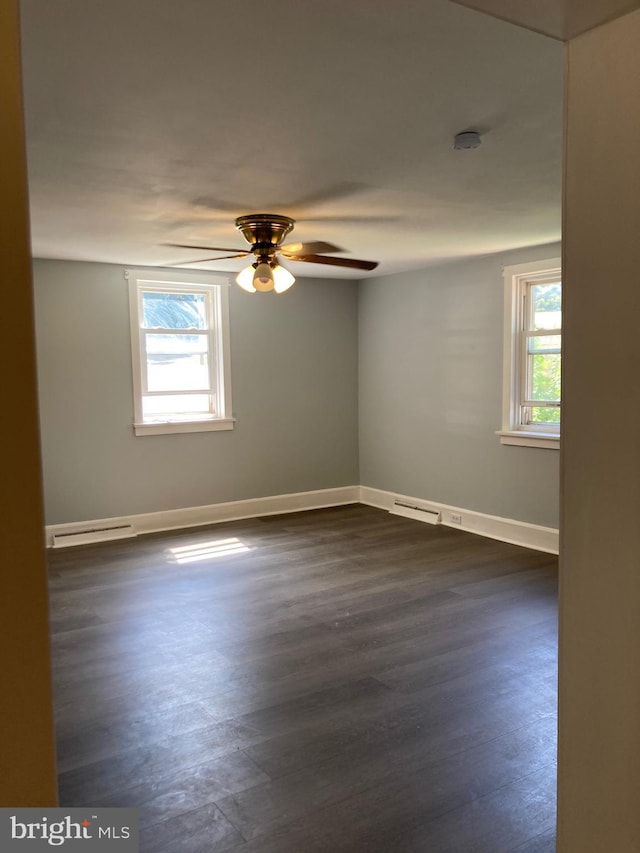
pixel 265 233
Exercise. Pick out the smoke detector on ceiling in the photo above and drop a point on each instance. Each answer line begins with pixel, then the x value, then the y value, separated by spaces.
pixel 466 140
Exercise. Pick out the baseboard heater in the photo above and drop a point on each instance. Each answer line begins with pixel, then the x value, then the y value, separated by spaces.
pixel 409 509
pixel 89 535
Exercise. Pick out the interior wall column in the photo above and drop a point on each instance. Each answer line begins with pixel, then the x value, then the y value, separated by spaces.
pixel 27 760
pixel 599 704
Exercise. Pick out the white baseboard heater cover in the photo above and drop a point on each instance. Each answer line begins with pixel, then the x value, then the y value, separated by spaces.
pixel 409 509
pixel 93 534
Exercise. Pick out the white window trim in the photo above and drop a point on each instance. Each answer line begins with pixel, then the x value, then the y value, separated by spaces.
pixel 220 296
pixel 515 279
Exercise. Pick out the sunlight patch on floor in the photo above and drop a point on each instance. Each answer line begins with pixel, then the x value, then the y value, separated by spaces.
pixel 207 550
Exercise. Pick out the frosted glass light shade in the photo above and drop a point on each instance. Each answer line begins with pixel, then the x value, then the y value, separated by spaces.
pixel 245 279
pixel 263 278
pixel 282 279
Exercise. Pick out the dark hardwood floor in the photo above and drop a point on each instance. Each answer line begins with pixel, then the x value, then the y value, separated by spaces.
pixel 337 680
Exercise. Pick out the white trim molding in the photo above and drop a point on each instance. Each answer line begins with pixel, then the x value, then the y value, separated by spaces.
pixel 522 438
pixel 167 427
pixel 492 526
pixel 176 519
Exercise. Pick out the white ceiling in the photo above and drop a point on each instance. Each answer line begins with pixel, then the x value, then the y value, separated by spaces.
pixel 152 121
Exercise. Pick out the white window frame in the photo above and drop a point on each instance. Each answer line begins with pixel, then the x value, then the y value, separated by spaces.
pixel 216 289
pixel 516 281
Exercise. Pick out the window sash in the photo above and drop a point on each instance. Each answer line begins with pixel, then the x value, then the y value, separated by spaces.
pixel 194 412
pixel 144 361
pixel 527 400
pixel 528 332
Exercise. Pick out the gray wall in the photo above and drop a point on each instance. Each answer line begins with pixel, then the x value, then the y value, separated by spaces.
pixel 294 374
pixel 429 391
pixel 430 387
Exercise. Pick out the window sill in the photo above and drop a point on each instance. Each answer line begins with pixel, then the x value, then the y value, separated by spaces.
pixel 167 427
pixel 524 438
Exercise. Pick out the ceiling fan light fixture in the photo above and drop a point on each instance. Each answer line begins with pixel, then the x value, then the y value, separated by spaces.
pixel 264 277
pixel 245 278
pixel 282 279
pixel 265 232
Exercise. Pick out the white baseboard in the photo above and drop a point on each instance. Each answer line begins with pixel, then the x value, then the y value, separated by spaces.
pixel 174 519
pixel 492 526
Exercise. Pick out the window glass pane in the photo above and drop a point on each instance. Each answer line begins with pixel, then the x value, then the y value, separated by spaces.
pixel 176 407
pixel 544 415
pixel 544 377
pixel 544 343
pixel 174 310
pixel 546 307
pixel 177 362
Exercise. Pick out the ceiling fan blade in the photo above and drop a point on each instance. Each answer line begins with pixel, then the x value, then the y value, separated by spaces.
pixel 317 247
pixel 206 248
pixel 336 262
pixel 204 260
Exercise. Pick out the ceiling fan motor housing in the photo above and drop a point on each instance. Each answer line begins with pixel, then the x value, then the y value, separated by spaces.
pixel 264 231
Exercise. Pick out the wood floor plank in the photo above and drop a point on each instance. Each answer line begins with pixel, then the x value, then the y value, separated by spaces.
pixel 399 800
pixel 352 681
pixel 198 831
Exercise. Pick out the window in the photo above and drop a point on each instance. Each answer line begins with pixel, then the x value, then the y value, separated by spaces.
pixel 532 354
pixel 180 351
